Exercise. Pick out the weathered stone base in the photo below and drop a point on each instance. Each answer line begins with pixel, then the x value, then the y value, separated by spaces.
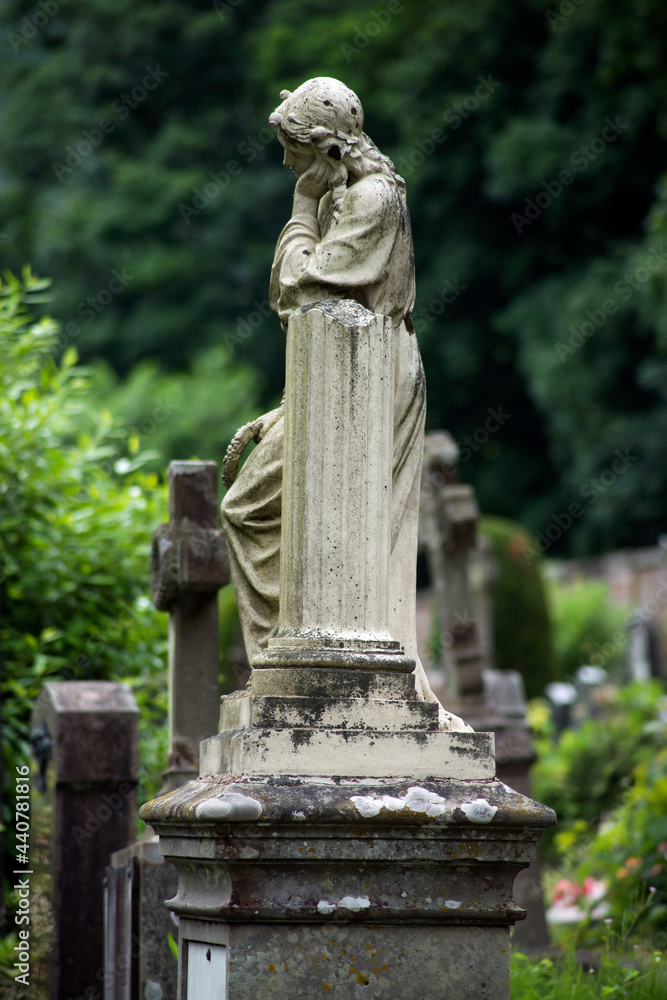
pixel 297 887
pixel 343 732
pixel 304 961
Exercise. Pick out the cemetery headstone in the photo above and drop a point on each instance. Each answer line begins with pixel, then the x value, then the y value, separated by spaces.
pixel 90 803
pixel 488 699
pixel 188 567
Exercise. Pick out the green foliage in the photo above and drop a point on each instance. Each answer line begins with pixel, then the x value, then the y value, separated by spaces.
pixel 173 947
pixel 616 975
pixel 587 629
pixel 586 772
pixel 521 626
pixel 76 518
pixel 181 415
pixel 537 260
pixel 630 849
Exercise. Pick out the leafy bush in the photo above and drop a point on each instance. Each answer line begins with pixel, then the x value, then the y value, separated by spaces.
pixel 76 518
pixel 630 850
pixel 587 629
pixel 521 625
pixel 181 415
pixel 586 772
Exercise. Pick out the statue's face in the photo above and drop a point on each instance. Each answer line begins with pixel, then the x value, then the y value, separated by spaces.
pixel 298 159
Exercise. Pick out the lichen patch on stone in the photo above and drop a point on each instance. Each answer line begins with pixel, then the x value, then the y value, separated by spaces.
pixel 479 811
pixel 232 806
pixel 355 903
pixel 416 799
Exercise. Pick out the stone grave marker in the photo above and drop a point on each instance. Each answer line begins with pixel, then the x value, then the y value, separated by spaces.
pixel 92 731
pixel 188 567
pixel 346 833
pixel 488 699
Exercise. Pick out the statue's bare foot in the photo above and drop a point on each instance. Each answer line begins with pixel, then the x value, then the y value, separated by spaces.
pixel 447 721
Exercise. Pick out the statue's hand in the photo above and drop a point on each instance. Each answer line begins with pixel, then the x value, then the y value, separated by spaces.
pixel 254 431
pixel 314 182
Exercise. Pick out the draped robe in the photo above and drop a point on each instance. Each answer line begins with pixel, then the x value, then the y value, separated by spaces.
pixel 365 254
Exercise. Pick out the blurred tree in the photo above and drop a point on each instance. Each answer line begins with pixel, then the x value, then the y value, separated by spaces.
pixel 532 136
pixel 522 630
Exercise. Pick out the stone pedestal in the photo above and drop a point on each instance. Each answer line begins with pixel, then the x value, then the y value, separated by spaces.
pixel 337 488
pixel 371 886
pixel 336 841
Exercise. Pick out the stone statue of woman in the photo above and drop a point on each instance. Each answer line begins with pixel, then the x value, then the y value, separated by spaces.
pixel 349 237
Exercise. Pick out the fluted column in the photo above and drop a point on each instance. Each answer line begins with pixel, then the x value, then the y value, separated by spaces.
pixel 336 515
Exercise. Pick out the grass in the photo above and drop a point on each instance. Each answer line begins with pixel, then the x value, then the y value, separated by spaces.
pixel 613 975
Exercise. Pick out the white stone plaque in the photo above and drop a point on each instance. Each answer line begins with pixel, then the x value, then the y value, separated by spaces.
pixel 207 971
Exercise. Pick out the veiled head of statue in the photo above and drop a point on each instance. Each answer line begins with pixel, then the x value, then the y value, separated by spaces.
pixel 323 113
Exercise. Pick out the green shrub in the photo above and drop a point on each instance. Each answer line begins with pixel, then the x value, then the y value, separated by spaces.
pixel 76 518
pixel 630 849
pixel 521 626
pixel 181 415
pixel 586 772
pixel 587 629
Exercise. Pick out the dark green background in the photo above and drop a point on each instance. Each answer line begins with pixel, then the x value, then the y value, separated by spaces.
pixel 553 75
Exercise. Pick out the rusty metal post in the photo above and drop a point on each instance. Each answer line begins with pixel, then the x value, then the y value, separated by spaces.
pixel 188 567
pixel 92 809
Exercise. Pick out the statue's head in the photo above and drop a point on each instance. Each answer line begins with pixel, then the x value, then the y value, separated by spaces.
pixel 324 118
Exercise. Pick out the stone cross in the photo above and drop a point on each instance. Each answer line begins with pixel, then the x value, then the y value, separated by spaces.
pixel 449 517
pixel 188 567
pixel 487 699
